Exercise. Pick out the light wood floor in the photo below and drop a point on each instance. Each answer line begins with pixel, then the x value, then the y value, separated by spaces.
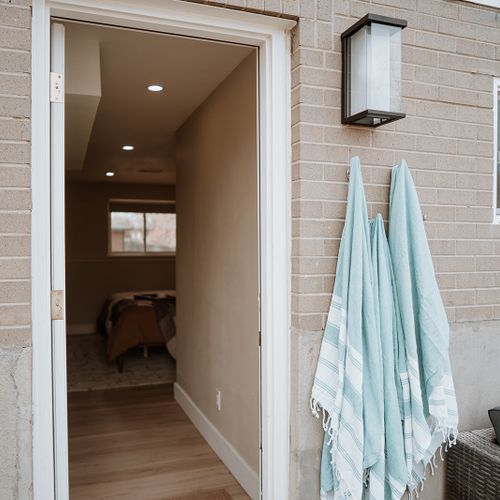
pixel 137 443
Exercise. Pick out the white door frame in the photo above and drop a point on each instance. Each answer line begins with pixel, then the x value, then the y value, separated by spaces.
pixel 271 35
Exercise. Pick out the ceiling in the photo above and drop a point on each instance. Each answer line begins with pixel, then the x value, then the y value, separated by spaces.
pixel 108 104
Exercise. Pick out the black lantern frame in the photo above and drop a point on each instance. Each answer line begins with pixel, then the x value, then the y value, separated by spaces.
pixel 368 117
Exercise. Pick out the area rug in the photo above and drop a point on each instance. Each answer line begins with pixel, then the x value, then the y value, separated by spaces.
pixel 89 370
pixel 207 495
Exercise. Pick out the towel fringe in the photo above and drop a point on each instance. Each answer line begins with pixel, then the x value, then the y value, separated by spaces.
pixel 449 439
pixel 314 407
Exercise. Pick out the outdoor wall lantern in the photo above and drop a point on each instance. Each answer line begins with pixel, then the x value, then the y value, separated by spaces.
pixel 371 71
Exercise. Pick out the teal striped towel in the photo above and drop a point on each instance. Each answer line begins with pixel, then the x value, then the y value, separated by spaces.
pixel 392 467
pixel 431 416
pixel 352 443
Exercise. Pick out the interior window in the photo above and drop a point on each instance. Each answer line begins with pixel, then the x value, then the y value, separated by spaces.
pixel 142 232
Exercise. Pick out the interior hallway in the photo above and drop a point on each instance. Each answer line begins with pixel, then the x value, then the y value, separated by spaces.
pixel 137 443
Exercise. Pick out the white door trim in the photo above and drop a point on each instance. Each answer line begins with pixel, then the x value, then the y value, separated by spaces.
pixel 271 35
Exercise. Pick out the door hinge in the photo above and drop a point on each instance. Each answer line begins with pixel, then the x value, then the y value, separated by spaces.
pixel 57 304
pixel 260 339
pixel 56 87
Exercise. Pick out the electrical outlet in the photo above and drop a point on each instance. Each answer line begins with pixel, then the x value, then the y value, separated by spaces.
pixel 218 399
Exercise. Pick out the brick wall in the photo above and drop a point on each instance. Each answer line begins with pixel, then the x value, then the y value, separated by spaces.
pixel 15 292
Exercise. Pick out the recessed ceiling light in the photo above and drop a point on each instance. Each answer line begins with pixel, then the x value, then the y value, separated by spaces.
pixel 127 147
pixel 110 174
pixel 155 87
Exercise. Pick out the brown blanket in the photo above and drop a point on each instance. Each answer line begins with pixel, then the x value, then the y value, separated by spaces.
pixel 136 325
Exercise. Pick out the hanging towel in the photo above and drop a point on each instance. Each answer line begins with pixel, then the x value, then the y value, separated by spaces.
pixel 348 382
pixel 431 416
pixel 392 466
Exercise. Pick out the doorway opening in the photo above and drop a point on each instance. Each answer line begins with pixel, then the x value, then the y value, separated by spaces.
pixel 162 265
pixel 271 36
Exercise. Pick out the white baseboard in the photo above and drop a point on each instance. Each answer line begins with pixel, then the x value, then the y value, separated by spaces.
pixel 240 469
pixel 80 328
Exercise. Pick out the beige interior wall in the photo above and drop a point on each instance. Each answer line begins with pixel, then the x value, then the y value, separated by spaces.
pixel 91 275
pixel 217 259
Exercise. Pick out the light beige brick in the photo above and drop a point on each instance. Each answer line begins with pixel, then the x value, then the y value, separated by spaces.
pixel 476 313
pixel 15 85
pixel 11 336
pixel 15 268
pixel 489 263
pixel 11 315
pixel 307 209
pixel 320 228
pixel 14 246
pixel 436 145
pixel 454 264
pixel 15 16
pixel 458 29
pixel 313 265
pixel 15 199
pixel 15 129
pixel 462 96
pixel 475 280
pixel 13 152
pixel 309 322
pixel 15 176
pixel 325 10
pixel 488 296
pixel 15 61
pixel 437 8
pixel 475 247
pixel 475 148
pixel 479 16
pixel 446 281
pixel 393 141
pixel 442 43
pixel 473 181
pixel 343 136
pixel 15 38
pixel 311 303
pixel 442 247
pixel 334 210
pixel 14 107
pixel 484 133
pixel 15 222
pixel 474 48
pixel 307 284
pixel 453 298
pixel 473 214
pixel 360 9
pixel 419 56
pixel 417 90
pixel 455 231
pixel 455 197
pixel 14 291
pixel 435 179
pixel 435 76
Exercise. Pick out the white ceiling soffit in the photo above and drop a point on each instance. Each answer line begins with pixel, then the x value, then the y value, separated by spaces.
pixel 127 113
pixel 83 93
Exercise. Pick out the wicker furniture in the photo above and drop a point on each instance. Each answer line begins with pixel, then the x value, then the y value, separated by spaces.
pixel 473 470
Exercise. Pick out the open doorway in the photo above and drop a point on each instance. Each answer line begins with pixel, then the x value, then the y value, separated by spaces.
pixel 162 265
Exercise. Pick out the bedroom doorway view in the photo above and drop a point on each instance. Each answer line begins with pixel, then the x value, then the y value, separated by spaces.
pixel 162 265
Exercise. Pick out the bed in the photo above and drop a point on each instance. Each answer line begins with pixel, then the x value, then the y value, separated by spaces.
pixel 138 319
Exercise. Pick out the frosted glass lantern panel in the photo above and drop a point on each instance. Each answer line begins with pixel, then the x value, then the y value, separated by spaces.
pixel 374 83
